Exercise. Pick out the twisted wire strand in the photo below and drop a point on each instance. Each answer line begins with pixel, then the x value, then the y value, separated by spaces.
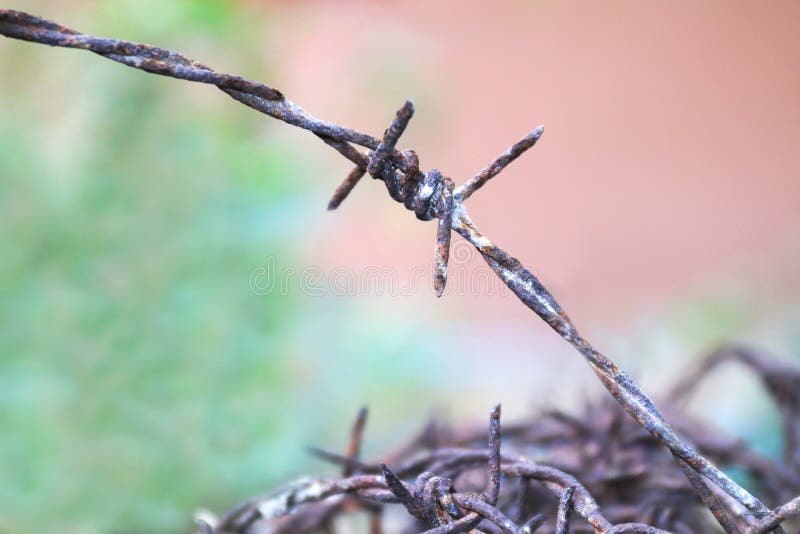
pixel 429 194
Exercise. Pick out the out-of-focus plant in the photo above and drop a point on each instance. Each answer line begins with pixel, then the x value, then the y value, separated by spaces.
pixel 132 346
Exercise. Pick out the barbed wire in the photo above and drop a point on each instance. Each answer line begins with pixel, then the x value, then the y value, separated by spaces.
pixel 430 195
pixel 601 452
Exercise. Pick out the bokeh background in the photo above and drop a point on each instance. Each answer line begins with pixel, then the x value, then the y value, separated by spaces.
pixel 144 376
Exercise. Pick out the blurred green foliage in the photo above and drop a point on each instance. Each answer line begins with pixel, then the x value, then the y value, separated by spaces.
pixel 141 378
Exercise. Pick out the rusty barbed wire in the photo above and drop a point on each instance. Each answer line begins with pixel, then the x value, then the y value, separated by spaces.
pixel 544 479
pixel 430 195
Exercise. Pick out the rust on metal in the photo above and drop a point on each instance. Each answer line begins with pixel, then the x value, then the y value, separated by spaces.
pixel 599 451
pixel 443 234
pixel 500 163
pixel 429 195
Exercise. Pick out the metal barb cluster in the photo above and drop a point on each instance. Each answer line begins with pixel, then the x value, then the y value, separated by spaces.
pixel 449 482
pixel 430 195
pixel 431 499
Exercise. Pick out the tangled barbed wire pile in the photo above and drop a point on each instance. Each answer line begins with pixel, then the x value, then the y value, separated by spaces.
pixel 432 195
pixel 548 472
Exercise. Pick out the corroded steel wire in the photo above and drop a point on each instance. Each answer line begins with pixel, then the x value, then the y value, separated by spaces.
pixel 425 482
pixel 429 194
pixel 432 499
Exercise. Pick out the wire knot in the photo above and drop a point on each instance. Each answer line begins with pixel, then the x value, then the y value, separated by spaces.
pixel 429 195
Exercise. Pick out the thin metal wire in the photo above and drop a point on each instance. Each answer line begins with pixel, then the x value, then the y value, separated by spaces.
pixel 429 194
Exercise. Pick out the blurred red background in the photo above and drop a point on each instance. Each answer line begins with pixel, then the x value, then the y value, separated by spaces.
pixel 670 150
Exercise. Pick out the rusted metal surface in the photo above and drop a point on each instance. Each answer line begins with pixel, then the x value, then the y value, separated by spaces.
pixel 564 509
pixel 144 57
pixel 356 438
pixel 453 482
pixel 443 235
pixel 500 163
pixel 776 517
pixel 345 187
pixel 430 195
pixel 712 502
pixel 493 473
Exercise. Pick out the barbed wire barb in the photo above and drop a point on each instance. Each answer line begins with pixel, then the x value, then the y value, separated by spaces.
pixel 501 162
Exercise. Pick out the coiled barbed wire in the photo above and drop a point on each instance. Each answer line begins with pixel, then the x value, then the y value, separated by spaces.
pixel 429 195
pixel 430 498
pixel 600 451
